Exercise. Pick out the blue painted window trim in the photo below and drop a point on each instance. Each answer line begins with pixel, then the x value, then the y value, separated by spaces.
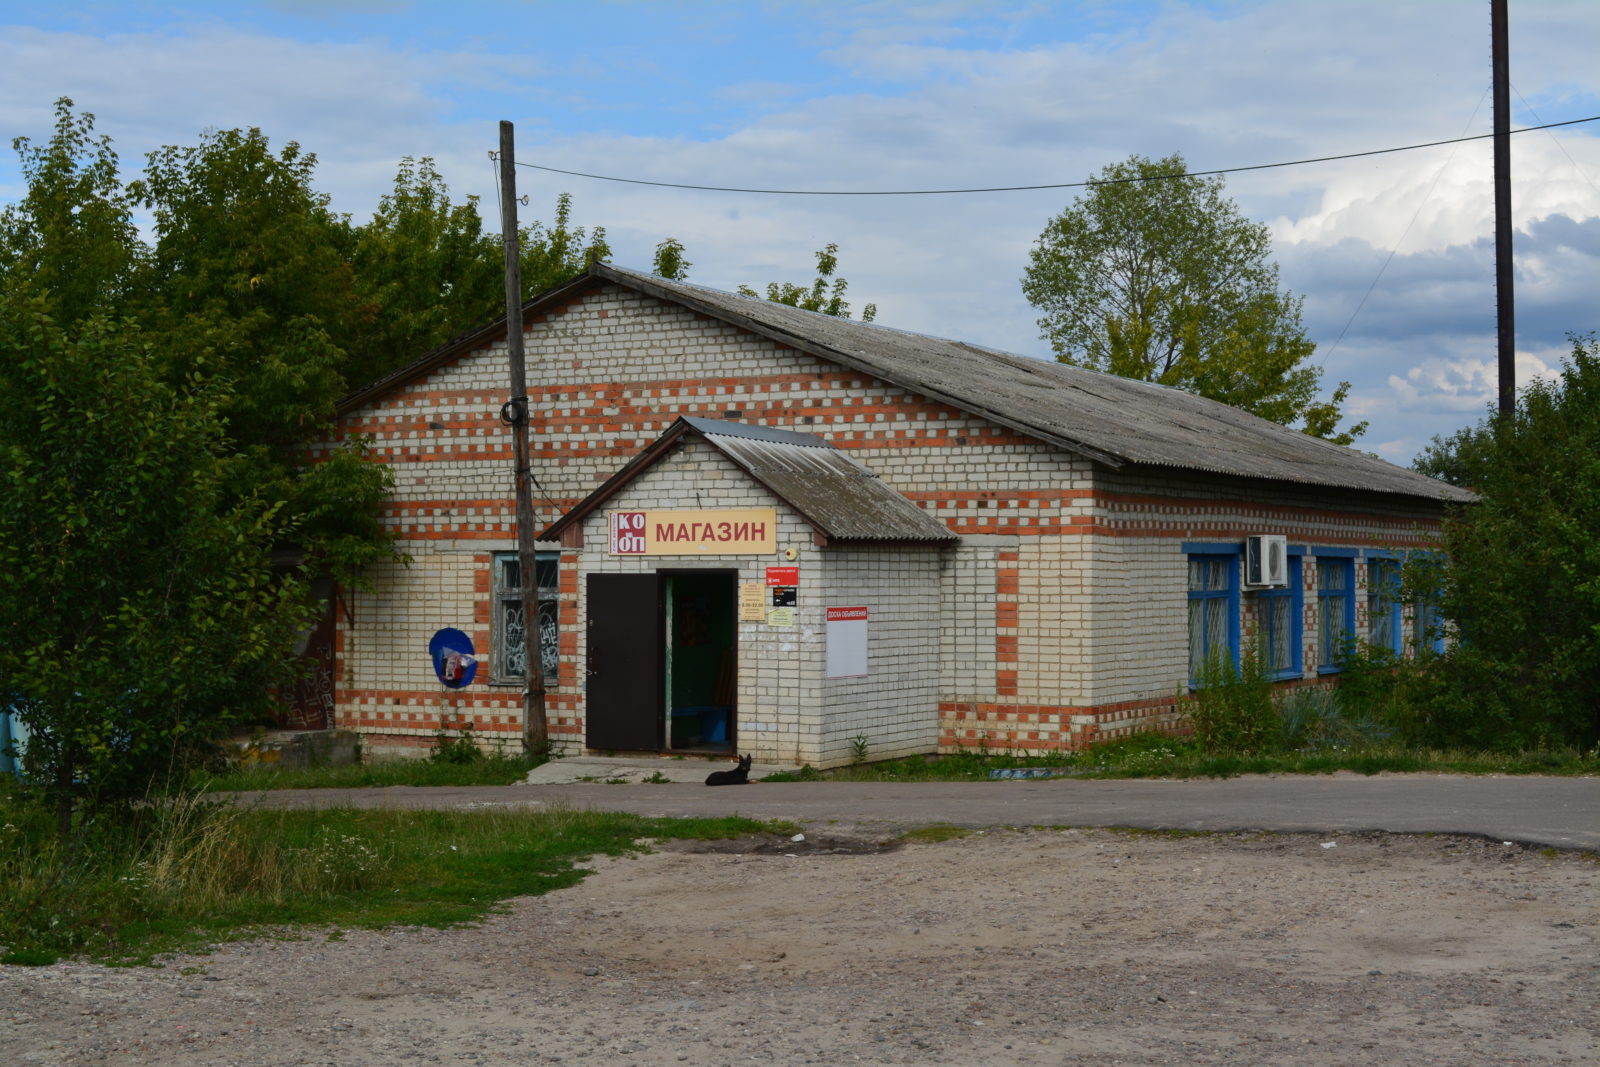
pixel 1231 552
pixel 1344 559
pixel 1294 596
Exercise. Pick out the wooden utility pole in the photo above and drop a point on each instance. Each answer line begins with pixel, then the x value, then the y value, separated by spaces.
pixel 1505 304
pixel 535 734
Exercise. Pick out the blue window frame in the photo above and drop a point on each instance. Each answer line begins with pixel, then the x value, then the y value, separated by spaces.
pixel 1336 608
pixel 1278 625
pixel 1384 619
pixel 1213 605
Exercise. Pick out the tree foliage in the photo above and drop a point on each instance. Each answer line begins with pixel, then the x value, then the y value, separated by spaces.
pixel 670 261
pixel 163 398
pixel 426 270
pixel 1520 581
pixel 141 613
pixel 71 240
pixel 825 293
pixel 1154 274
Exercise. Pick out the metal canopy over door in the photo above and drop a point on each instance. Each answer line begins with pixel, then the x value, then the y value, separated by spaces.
pixel 624 663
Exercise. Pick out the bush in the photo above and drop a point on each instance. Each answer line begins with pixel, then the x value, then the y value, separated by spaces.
pixel 1522 584
pixel 1232 709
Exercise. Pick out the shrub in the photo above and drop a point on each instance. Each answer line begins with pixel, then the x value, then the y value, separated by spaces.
pixel 1232 709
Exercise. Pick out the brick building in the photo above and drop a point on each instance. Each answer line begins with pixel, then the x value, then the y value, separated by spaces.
pixel 771 531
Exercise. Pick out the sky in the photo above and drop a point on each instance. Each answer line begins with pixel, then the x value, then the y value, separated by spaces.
pixel 1393 254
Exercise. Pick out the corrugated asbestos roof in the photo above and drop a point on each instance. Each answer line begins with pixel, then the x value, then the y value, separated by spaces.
pixel 1117 421
pixel 835 492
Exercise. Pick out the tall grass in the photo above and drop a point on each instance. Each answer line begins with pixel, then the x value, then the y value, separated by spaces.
pixel 187 871
pixel 486 770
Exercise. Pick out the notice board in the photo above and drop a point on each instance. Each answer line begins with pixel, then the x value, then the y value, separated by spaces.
pixel 847 643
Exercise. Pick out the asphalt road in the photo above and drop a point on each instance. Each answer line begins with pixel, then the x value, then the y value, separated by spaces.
pixel 1556 812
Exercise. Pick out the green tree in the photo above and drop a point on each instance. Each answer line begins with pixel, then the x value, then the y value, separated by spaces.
pixel 1154 274
pixel 1520 582
pixel 250 279
pixel 251 284
pixel 669 261
pixel 71 240
pixel 555 252
pixel 425 271
pixel 141 614
pixel 824 294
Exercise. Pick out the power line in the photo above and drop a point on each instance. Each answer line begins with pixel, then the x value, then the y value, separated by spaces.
pixel 1403 235
pixel 1031 188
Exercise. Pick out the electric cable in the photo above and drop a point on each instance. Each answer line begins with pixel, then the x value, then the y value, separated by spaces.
pixel 1581 172
pixel 1032 188
pixel 1403 235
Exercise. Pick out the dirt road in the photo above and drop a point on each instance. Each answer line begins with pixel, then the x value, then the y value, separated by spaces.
pixel 1004 947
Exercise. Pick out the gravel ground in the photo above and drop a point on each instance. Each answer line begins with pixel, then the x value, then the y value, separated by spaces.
pixel 1005 947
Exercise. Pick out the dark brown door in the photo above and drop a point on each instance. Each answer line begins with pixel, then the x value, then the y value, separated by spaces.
pixel 624 669
pixel 308 703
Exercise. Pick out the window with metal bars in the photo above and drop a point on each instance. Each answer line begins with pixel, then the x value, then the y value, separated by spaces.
pixel 1336 609
pixel 1384 629
pixel 509 660
pixel 1278 625
pixel 1213 610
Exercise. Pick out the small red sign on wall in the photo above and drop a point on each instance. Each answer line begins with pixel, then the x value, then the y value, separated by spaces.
pixel 783 575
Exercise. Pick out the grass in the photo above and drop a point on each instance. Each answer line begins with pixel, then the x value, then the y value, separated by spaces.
pixel 487 770
pixel 1160 756
pixel 188 873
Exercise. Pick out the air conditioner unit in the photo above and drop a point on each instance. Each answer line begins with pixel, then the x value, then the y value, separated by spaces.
pixel 1266 561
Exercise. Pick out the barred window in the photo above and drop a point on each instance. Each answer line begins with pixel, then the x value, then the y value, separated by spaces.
pixel 1213 610
pixel 1383 604
pixel 1278 626
pixel 1335 610
pixel 509 621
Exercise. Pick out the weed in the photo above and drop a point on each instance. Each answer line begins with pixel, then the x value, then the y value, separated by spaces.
pixel 657 778
pixel 936 833
pixel 1232 709
pixel 858 749
pixel 458 749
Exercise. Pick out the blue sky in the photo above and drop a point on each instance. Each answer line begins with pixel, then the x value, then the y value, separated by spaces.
pixel 944 94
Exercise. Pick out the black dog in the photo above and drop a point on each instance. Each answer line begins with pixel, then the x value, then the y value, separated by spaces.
pixel 740 775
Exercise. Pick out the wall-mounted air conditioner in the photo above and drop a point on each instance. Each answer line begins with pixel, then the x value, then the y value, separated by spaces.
pixel 1266 561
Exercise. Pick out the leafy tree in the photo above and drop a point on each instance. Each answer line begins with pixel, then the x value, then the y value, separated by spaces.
pixel 670 262
pixel 425 271
pixel 1520 583
pixel 71 239
pixel 555 253
pixel 250 279
pixel 824 294
pixel 251 284
pixel 1153 274
pixel 141 614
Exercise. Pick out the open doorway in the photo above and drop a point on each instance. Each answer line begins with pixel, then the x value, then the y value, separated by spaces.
pixel 701 660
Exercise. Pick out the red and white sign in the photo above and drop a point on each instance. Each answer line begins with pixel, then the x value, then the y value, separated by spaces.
pixel 740 532
pixel 783 575
pixel 845 614
pixel 627 533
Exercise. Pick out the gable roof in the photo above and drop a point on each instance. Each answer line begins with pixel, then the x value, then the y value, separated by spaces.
pixel 1115 421
pixel 831 490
